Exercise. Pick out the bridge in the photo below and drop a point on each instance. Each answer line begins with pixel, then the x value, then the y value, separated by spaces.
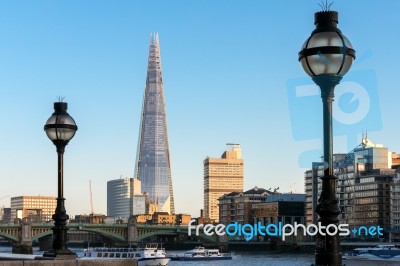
pixel 128 233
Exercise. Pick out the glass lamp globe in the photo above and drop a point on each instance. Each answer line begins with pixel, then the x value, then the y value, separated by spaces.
pixel 327 50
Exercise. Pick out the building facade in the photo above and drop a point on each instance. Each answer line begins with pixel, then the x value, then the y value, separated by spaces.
pixel 286 208
pixel 236 206
pixel 124 198
pixel 38 208
pixel 89 219
pixel 364 177
pixel 153 167
pixel 5 215
pixel 394 232
pixel 164 218
pixel 222 176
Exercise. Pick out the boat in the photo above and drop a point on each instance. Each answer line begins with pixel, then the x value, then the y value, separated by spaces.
pixel 378 253
pixel 201 253
pixel 148 255
pixel 12 256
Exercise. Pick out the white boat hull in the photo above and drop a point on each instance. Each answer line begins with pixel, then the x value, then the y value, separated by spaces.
pixel 154 262
pixel 369 257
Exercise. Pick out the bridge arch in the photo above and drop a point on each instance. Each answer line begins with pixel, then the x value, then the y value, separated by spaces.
pixel 13 238
pixel 106 234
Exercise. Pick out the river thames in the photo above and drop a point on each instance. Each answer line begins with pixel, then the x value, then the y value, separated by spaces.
pixel 258 258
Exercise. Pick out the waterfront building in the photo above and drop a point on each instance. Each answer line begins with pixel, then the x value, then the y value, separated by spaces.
pixel 236 206
pixel 124 198
pixel 38 208
pixel 153 167
pixel 363 186
pixel 394 232
pixel 221 176
pixel 285 208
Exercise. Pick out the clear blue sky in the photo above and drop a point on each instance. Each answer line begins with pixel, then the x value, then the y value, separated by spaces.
pixel 229 71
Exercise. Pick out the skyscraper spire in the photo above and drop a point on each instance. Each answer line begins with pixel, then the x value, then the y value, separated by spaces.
pixel 153 167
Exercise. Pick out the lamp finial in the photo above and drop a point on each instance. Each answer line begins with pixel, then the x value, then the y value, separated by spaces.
pixel 326 7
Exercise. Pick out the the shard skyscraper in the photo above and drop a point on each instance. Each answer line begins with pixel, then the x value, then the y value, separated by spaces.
pixel 152 160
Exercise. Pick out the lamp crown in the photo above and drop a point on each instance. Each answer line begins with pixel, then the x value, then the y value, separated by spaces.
pixel 60 106
pixel 326 19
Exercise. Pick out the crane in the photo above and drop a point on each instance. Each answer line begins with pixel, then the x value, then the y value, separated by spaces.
pixel 5 197
pixel 91 196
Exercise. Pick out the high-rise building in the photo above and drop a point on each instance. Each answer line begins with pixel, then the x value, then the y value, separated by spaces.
pixel 37 208
pixel 153 161
pixel 222 176
pixel 364 176
pixel 121 195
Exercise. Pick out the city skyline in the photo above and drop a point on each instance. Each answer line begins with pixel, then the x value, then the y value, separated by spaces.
pixel 228 70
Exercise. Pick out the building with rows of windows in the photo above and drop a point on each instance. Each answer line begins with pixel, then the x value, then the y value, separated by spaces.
pixel 221 176
pixel 236 206
pixel 364 181
pixel 38 208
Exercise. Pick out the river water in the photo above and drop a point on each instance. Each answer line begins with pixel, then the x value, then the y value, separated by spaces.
pixel 258 258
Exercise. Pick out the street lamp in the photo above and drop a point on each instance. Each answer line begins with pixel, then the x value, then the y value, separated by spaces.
pixel 60 129
pixel 326 56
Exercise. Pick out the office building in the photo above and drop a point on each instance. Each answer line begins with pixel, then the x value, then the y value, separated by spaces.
pixel 222 176
pixel 153 167
pixel 38 208
pixel 363 186
pixel 124 198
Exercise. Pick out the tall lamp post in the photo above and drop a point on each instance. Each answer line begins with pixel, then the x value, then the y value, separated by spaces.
pixel 326 56
pixel 60 129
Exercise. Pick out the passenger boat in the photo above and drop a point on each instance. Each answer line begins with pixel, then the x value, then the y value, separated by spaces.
pixel 12 256
pixel 201 253
pixel 149 255
pixel 378 253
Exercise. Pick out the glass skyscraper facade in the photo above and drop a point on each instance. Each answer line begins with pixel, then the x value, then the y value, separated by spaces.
pixel 153 161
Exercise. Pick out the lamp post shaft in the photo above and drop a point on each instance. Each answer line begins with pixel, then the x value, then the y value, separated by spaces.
pixel 60 217
pixel 60 236
pixel 60 193
pixel 327 251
